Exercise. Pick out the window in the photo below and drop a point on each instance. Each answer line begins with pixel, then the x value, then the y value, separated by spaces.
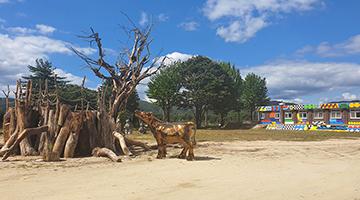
pixel 277 115
pixel 262 116
pixel 354 114
pixel 335 115
pixel 303 115
pixel 288 115
pixel 318 115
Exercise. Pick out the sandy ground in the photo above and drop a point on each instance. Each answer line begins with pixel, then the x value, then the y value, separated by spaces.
pixel 230 170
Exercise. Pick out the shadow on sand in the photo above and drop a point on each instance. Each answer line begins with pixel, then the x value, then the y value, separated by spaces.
pixel 201 158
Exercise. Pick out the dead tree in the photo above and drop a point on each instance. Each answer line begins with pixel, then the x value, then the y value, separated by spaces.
pixel 135 64
pixel 8 121
pixel 7 94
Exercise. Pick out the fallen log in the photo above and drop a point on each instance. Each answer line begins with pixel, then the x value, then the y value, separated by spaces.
pixel 122 143
pixel 105 152
pixel 130 142
pixel 24 134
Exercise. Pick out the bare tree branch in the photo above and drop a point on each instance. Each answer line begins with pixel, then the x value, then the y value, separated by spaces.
pixel 129 70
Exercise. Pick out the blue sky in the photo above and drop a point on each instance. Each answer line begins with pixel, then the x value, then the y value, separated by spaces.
pixel 309 50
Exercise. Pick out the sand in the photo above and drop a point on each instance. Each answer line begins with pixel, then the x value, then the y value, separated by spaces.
pixel 229 170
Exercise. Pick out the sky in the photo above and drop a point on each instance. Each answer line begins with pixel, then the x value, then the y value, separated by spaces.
pixel 308 50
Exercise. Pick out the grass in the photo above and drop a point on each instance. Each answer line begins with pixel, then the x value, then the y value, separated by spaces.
pixel 259 134
pixel 254 135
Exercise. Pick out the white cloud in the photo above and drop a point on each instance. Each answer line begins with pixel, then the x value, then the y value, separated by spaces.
pixel 291 80
pixel 189 26
pixel 347 96
pixel 20 30
pixel 247 17
pixel 39 29
pixel 8 1
pixel 2 20
pixel 17 52
pixel 45 29
pixel 176 57
pixel 170 58
pixel 239 31
pixel 351 46
pixel 163 17
pixel 144 19
pixel 69 76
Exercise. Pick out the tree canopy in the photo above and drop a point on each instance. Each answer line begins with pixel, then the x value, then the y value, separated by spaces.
pixel 206 85
pixel 164 88
pixel 202 85
pixel 254 93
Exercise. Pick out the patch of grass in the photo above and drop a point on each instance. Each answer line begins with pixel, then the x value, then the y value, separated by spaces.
pixel 259 134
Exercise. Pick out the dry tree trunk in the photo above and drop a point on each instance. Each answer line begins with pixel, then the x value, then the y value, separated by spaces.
pixel 122 143
pixel 8 143
pixel 23 135
pixel 105 152
pixel 23 109
pixel 48 153
pixel 9 123
pixel 70 146
pixel 61 139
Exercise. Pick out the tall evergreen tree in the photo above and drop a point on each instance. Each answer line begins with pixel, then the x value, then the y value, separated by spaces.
pixel 164 89
pixel 254 93
pixel 69 93
pixel 44 70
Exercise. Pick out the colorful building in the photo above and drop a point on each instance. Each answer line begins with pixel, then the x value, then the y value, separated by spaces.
pixel 343 116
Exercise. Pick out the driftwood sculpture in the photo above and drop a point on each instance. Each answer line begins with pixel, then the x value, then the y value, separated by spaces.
pixel 41 124
pixel 169 133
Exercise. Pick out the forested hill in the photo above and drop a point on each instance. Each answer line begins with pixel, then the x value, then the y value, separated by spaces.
pixel 3 105
pixel 149 107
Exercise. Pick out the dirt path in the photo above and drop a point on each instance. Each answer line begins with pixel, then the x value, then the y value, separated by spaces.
pixel 232 170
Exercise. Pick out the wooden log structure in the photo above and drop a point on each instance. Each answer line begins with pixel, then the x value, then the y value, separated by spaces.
pixel 25 133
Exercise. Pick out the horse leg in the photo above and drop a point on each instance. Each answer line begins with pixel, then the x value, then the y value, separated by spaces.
pixel 191 151
pixel 182 155
pixel 159 142
pixel 164 147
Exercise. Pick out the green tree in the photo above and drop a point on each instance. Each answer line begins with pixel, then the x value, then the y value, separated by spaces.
pixel 254 93
pixel 164 89
pixel 71 95
pixel 44 70
pixel 237 80
pixel 204 84
pixel 227 88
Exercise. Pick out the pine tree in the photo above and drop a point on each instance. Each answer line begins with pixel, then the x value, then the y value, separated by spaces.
pixel 43 70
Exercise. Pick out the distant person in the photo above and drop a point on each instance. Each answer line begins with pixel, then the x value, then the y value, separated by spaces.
pixel 127 127
pixel 142 128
